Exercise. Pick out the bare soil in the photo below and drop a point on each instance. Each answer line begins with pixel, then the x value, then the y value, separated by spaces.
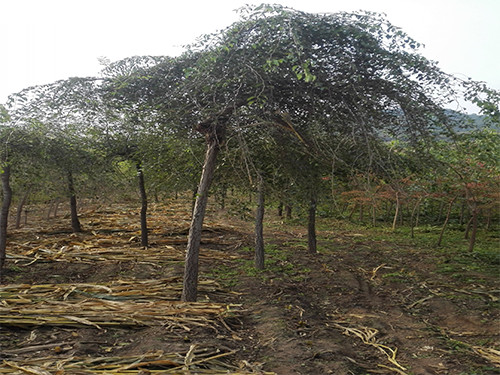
pixel 362 305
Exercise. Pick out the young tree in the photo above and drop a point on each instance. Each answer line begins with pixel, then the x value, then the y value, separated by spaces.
pixel 59 114
pixel 16 148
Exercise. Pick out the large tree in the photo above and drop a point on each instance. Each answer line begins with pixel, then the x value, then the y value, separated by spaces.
pixel 352 76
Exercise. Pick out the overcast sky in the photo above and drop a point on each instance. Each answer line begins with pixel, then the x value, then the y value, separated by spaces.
pixel 46 40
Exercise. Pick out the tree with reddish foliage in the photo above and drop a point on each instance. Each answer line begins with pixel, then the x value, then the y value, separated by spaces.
pixel 471 168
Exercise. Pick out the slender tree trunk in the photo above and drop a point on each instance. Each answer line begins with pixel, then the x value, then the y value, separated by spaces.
pixel 462 213
pixel 418 216
pixel 4 216
pixel 374 214
pixel 51 205
pixel 280 209
pixel 144 205
pixel 353 211
pixel 259 227
pixel 75 222
pixel 20 207
pixel 222 196
pixel 441 208
pixel 311 226
pixel 469 226
pixel 57 202
pixel 288 211
pixel 472 240
pixel 190 285
pixel 488 219
pixel 448 213
pixel 412 217
pixel 396 213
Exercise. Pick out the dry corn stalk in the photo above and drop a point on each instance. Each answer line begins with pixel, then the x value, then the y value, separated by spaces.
pixel 202 361
pixel 367 335
pixel 117 290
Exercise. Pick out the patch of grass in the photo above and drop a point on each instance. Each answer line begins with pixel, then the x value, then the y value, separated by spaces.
pixel 276 266
pixel 226 275
pixel 401 276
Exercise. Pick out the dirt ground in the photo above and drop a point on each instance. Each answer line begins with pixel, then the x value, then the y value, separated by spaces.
pixel 362 305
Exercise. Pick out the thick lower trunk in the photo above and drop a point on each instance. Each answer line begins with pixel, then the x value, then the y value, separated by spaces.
pixel 75 222
pixel 311 227
pixel 144 206
pixel 20 207
pixel 190 284
pixel 259 228
pixel 4 216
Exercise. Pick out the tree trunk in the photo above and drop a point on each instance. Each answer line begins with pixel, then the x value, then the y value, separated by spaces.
pixel 412 217
pixel 4 216
pixel 144 205
pixel 75 222
pixel 353 211
pixel 190 284
pixel 374 214
pixel 448 212
pixel 193 198
pixel 396 213
pixel 441 208
pixel 488 219
pixel 288 211
pixel 50 209
pixel 20 206
pixel 418 216
pixel 259 227
pixel 467 229
pixel 462 213
pixel 214 130
pixel 472 240
pixel 280 209
pixel 221 197
pixel 57 202
pixel 311 226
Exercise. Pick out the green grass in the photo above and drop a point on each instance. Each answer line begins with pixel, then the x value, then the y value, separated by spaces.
pixel 276 266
